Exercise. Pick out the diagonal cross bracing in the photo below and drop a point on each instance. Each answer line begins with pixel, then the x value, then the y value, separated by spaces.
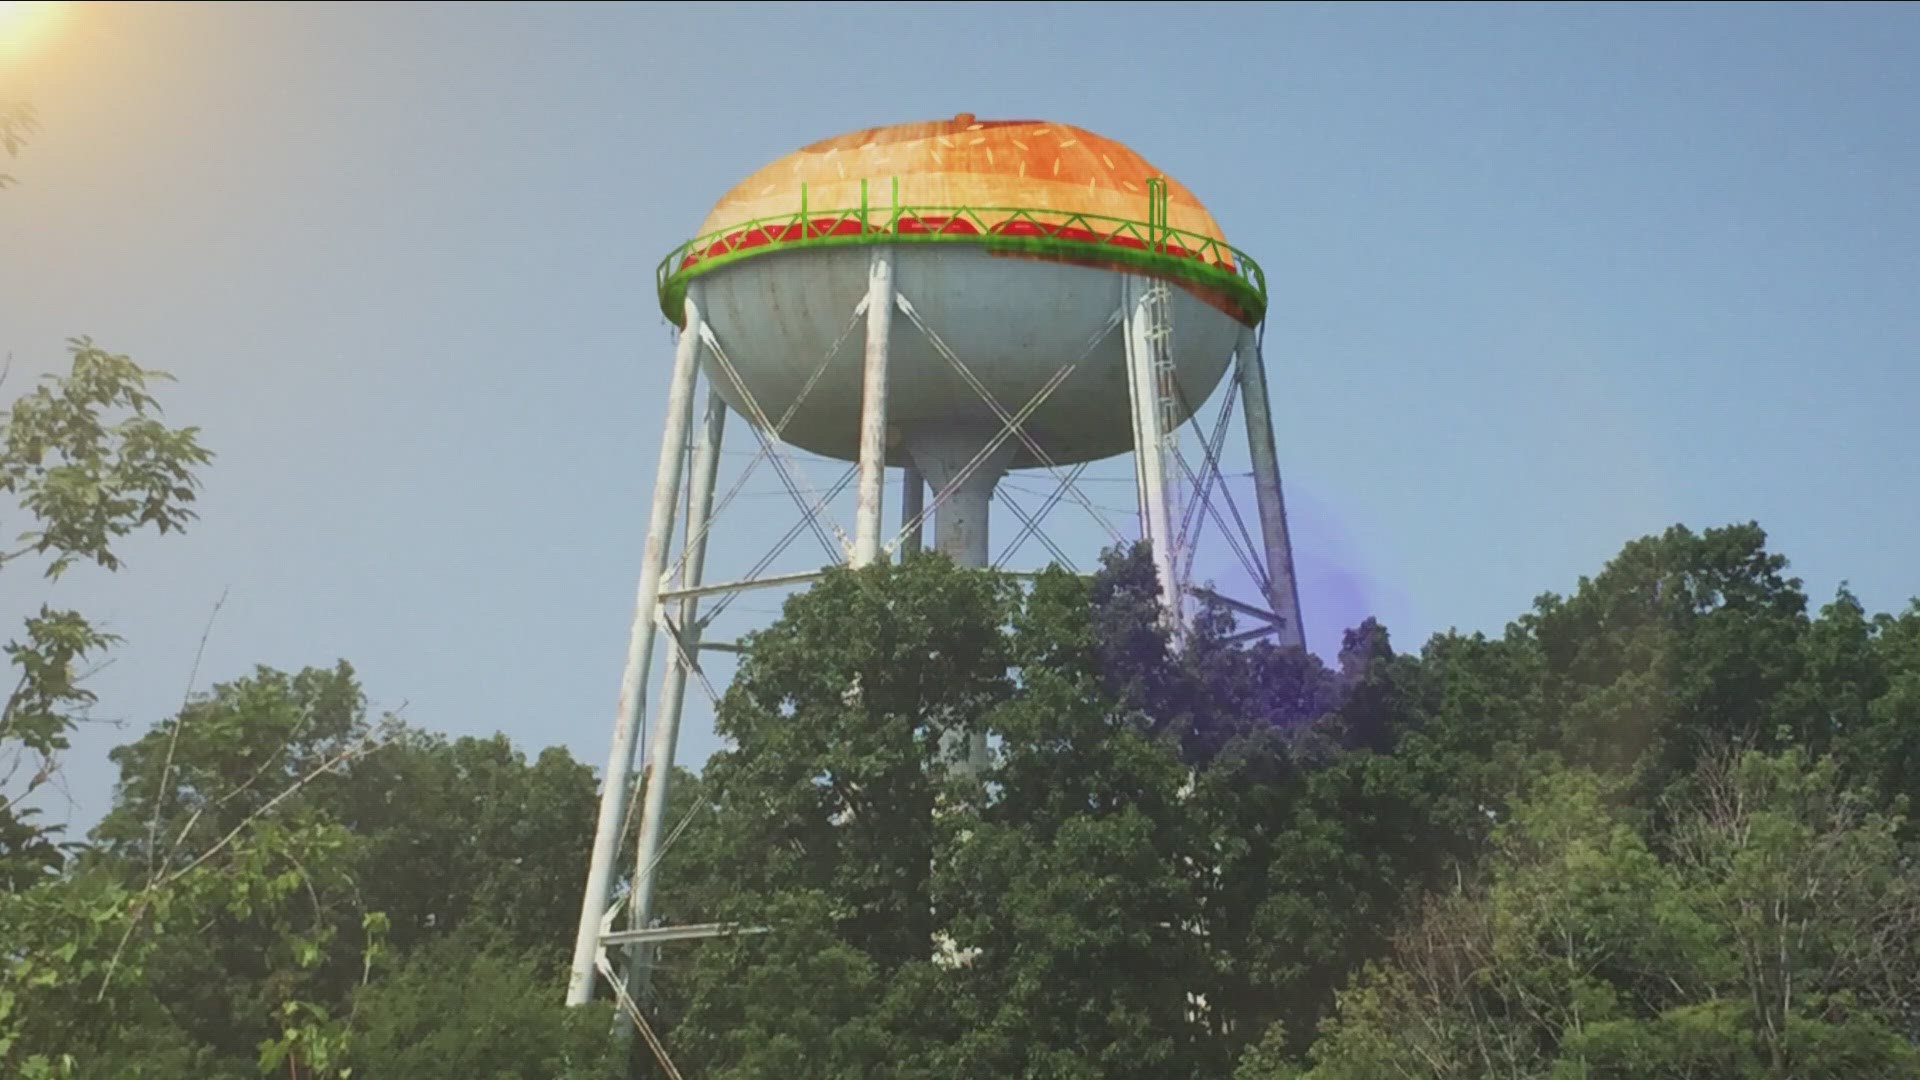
pixel 762 428
pixel 785 541
pixel 677 637
pixel 1248 555
pixel 1191 516
pixel 1031 527
pixel 779 429
pixel 1248 560
pixel 1007 430
pixel 1009 422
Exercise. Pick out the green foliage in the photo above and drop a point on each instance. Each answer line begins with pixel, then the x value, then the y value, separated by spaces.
pixel 1655 829
pixel 1777 936
pixel 824 812
pixel 461 1008
pixel 1255 831
pixel 1682 643
pixel 1068 867
pixel 86 461
pixel 468 831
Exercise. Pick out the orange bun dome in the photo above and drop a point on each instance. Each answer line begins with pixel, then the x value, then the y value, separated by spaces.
pixel 964 162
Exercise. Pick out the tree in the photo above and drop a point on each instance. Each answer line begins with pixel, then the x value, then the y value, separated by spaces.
pixel 1775 939
pixel 437 838
pixel 17 122
pixel 1860 697
pixel 1683 642
pixel 259 758
pixel 824 823
pixel 462 1007
pixel 465 833
pixel 87 462
pixel 1067 879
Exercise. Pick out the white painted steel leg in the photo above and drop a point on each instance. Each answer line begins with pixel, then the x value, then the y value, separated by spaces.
pixel 873 409
pixel 1149 443
pixel 673 696
pixel 913 503
pixel 626 723
pixel 1285 595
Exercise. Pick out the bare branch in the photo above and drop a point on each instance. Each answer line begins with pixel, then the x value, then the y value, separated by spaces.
pixel 173 739
pixel 351 753
pixel 158 881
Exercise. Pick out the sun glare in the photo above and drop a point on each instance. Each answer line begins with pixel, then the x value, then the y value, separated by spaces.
pixel 25 22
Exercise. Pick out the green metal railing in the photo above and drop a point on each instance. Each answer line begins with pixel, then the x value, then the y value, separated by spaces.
pixel 1153 245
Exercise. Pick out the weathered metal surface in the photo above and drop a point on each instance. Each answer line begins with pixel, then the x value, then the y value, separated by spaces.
pixel 1146 346
pixel 673 689
pixel 962 507
pixel 660 935
pixel 1014 322
pixel 873 409
pixel 646 609
pixel 1284 593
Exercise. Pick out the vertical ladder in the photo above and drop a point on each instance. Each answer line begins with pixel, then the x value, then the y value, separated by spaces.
pixel 1165 388
pixel 1166 394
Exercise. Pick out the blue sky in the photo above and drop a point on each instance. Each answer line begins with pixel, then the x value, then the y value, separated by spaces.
pixel 1546 278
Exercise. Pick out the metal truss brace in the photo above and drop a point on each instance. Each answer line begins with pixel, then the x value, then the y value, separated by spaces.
pixel 1007 430
pixel 1191 518
pixel 779 430
pixel 1239 606
pixel 1033 445
pixel 763 428
pixel 792 534
pixel 1030 526
pixel 659 935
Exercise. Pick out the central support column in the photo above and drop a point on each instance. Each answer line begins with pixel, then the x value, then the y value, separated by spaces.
pixel 960 516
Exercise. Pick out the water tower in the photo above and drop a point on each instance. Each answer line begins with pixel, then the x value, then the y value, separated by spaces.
pixel 1028 296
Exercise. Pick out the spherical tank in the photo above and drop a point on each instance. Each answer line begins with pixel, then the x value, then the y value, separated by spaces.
pixel 1011 240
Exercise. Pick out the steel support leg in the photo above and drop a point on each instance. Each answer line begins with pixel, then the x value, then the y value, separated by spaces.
pixel 626 723
pixel 873 409
pixel 1150 442
pixel 913 504
pixel 673 696
pixel 1285 592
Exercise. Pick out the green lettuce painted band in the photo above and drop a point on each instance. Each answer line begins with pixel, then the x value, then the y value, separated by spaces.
pixel 1227 274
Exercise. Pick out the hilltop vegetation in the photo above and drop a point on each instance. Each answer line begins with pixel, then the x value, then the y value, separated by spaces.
pixel 1657 828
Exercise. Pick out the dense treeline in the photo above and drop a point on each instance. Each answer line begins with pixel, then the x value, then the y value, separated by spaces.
pixel 1657 828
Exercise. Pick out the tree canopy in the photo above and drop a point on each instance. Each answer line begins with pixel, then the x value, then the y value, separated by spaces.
pixel 1657 827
